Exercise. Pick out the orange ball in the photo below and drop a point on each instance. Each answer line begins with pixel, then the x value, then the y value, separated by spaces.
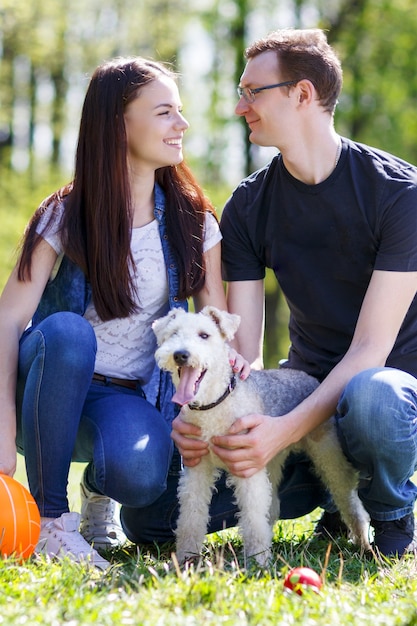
pixel 20 521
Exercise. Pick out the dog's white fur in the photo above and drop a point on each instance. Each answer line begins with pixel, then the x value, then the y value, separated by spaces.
pixel 199 341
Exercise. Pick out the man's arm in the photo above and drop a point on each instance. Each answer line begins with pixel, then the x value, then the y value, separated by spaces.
pixel 385 305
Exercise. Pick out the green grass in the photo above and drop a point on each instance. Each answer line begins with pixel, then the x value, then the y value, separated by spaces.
pixel 146 587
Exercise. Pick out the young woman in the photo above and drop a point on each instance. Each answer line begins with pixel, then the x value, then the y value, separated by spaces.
pixel 102 258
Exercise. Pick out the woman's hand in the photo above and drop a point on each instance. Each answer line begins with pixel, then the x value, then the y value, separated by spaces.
pixel 239 364
pixel 8 456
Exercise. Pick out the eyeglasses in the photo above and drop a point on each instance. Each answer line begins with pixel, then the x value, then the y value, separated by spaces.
pixel 249 94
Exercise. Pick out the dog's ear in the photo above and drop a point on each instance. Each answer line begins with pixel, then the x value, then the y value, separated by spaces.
pixel 228 323
pixel 161 326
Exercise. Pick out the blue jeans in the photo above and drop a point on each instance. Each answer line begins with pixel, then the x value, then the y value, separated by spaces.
pixel 64 416
pixel 377 426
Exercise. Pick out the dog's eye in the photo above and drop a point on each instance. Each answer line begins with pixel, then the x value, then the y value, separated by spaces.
pixel 203 335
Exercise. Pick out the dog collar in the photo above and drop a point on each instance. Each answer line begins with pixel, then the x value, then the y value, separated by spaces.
pixel 206 407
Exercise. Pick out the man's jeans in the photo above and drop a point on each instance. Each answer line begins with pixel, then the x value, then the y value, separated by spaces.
pixel 377 425
pixel 64 416
pixel 376 422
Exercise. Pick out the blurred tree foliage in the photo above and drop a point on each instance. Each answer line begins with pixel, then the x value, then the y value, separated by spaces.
pixel 377 44
pixel 48 48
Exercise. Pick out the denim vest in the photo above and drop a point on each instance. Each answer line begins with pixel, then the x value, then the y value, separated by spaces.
pixel 71 291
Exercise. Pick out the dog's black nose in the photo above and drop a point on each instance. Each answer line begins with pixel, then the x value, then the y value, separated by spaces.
pixel 181 357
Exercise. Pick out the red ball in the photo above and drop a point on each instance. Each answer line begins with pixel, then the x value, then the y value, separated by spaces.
pixel 20 521
pixel 300 578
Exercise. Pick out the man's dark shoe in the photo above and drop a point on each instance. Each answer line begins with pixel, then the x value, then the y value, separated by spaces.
pixel 395 538
pixel 331 526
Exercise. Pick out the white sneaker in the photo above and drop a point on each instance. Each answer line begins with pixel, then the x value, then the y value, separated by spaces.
pixel 99 523
pixel 60 537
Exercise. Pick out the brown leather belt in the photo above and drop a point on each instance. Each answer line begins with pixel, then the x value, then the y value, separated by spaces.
pixel 122 382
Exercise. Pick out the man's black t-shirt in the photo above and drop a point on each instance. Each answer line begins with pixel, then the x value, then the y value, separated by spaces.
pixel 323 242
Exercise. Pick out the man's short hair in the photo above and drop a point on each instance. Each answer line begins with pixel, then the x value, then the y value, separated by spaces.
pixel 304 53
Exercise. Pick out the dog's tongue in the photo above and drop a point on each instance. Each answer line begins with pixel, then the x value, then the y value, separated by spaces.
pixel 186 388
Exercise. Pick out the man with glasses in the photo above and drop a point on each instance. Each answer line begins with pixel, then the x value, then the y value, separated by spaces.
pixel 337 222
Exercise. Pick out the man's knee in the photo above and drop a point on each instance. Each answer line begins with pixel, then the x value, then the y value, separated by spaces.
pixel 374 405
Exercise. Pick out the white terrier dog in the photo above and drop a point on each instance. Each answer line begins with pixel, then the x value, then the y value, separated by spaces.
pixel 193 348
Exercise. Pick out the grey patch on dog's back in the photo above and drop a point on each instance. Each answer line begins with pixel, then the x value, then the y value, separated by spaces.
pixel 281 390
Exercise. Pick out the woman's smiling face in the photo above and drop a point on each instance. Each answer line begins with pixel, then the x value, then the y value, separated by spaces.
pixel 155 126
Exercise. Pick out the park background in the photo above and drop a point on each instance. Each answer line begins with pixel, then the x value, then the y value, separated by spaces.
pixel 48 50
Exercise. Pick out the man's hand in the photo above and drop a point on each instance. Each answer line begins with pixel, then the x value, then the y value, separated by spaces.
pixel 249 445
pixel 187 439
pixel 251 442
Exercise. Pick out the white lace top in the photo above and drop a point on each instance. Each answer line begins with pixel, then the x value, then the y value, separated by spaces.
pixel 125 347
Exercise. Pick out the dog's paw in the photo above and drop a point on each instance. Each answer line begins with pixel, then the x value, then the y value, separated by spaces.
pixel 263 558
pixel 186 559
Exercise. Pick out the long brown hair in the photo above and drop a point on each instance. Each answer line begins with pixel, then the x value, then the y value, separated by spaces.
pixel 97 220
